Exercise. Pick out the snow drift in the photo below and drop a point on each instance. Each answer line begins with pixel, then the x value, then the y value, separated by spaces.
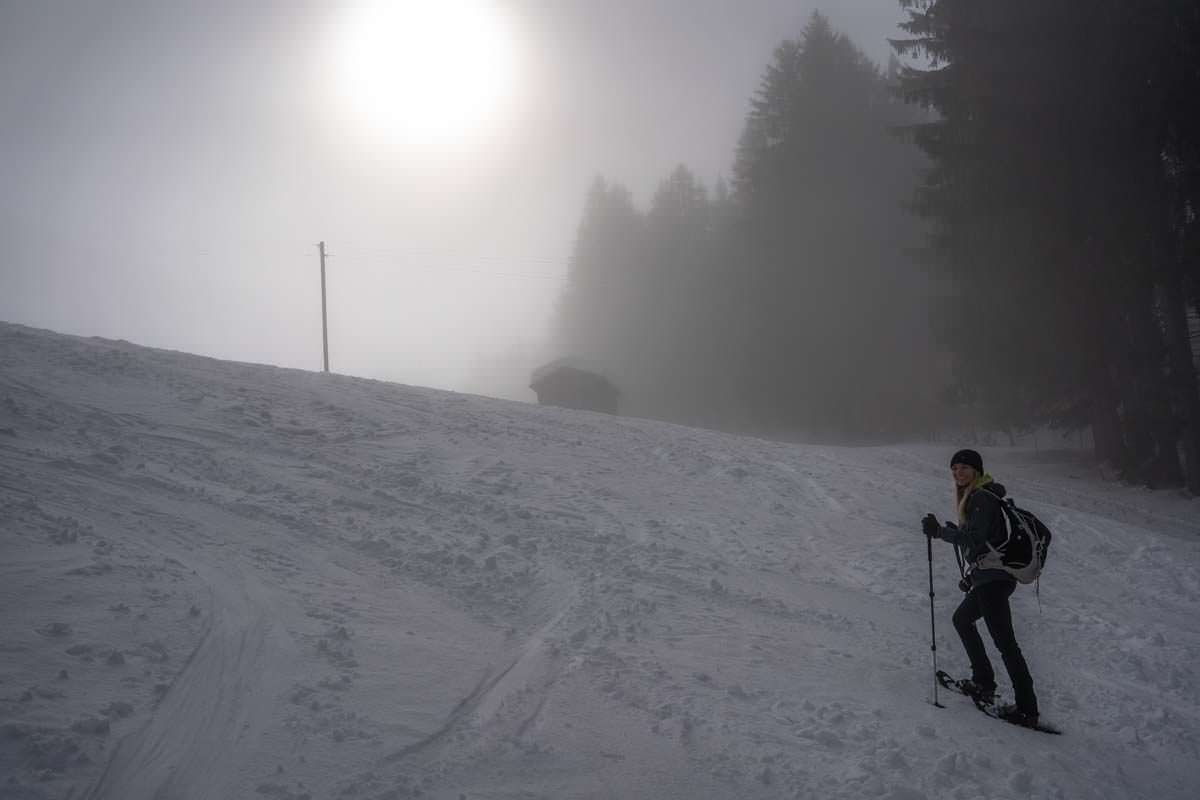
pixel 222 580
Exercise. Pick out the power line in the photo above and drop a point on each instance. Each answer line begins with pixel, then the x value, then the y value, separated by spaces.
pixel 475 271
pixel 396 251
pixel 565 278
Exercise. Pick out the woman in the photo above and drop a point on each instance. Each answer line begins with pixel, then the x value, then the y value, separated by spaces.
pixel 980 521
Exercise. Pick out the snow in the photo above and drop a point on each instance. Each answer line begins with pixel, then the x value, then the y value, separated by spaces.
pixel 223 580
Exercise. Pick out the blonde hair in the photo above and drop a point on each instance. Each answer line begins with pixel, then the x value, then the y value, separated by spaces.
pixel 961 493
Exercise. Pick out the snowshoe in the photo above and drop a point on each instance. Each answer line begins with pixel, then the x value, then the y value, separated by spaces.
pixel 1007 712
pixel 982 695
pixel 1010 713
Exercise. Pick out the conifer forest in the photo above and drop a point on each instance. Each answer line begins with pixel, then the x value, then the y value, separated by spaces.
pixel 996 232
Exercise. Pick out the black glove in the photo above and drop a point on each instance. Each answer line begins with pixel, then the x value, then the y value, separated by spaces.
pixel 930 526
pixel 964 585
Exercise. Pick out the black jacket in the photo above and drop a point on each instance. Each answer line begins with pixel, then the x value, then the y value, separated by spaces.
pixel 984 523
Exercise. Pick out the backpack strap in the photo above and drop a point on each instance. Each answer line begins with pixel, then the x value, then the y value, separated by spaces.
pixel 962 565
pixel 1001 500
pixel 1005 506
pixel 1006 531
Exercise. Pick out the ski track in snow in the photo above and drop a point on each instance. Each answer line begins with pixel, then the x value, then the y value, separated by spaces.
pixel 222 692
pixel 262 582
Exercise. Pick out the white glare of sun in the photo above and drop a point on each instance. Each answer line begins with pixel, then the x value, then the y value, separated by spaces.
pixel 426 71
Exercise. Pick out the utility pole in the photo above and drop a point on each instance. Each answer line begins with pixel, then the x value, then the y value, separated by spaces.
pixel 324 315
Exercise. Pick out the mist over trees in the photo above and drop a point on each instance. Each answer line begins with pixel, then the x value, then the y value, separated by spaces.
pixel 788 302
pixel 1025 254
pixel 1064 196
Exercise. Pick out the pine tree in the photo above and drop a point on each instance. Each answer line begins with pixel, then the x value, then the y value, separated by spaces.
pixel 672 367
pixel 595 309
pixel 1052 194
pixel 820 181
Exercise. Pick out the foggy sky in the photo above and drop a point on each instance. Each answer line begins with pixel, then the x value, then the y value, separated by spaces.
pixel 168 168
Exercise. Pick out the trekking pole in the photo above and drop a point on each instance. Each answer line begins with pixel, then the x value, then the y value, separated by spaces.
pixel 932 629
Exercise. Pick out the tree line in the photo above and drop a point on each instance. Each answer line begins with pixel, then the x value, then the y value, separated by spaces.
pixel 784 301
pixel 1000 233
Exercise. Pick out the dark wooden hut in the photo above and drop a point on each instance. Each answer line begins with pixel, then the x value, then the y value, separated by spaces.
pixel 568 384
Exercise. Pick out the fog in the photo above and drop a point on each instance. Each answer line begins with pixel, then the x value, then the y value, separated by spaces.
pixel 169 168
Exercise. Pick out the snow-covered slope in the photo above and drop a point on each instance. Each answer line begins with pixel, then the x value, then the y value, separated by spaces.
pixel 221 580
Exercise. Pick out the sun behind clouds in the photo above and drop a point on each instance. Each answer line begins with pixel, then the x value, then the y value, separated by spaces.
pixel 424 74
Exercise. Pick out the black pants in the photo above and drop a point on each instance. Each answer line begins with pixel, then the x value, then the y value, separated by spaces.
pixel 990 603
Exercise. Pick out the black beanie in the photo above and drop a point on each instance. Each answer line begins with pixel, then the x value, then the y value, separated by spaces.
pixel 970 458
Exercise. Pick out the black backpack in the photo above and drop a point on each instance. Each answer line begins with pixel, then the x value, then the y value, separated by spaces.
pixel 1026 543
